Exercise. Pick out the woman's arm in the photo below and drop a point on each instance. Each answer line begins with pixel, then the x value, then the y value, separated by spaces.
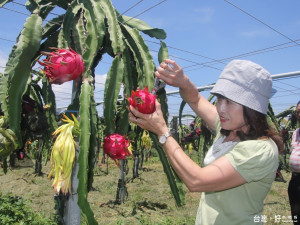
pixel 171 73
pixel 220 175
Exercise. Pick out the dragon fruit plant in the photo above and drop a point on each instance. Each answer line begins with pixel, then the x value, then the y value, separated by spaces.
pixel 92 28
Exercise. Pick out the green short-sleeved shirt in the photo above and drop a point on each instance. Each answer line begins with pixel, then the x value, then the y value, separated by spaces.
pixel 257 162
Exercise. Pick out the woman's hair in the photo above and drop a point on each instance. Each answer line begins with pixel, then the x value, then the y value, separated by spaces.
pixel 259 128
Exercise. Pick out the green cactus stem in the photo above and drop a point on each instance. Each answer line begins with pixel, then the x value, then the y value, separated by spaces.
pixel 112 89
pixel 142 56
pixel 84 143
pixel 19 70
pixel 115 33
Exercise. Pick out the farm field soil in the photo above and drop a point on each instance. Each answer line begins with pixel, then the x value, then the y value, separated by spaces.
pixel 149 199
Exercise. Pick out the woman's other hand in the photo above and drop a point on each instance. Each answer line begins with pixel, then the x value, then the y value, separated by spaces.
pixel 153 122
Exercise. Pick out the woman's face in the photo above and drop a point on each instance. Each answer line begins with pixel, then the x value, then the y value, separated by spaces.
pixel 231 114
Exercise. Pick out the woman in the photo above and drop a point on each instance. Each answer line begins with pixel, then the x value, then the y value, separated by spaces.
pixel 294 184
pixel 241 164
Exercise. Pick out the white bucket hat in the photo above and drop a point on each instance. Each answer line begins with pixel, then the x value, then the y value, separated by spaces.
pixel 246 83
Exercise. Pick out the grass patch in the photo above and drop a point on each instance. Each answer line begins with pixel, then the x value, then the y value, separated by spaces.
pixel 16 210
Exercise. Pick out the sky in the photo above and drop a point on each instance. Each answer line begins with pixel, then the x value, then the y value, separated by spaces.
pixel 202 37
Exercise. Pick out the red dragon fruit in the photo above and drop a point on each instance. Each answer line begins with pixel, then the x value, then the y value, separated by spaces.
pixel 116 147
pixel 62 65
pixel 143 101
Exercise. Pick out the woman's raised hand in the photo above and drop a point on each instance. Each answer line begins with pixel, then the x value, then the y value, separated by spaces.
pixel 171 73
